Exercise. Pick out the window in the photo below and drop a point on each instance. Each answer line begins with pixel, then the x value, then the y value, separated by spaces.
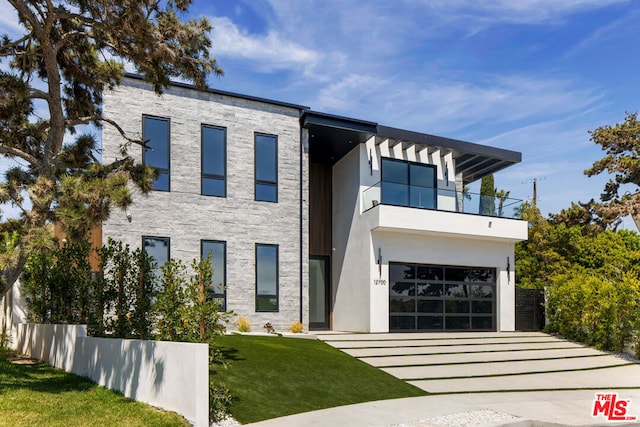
pixel 266 277
pixel 157 248
pixel 408 184
pixel 214 161
pixel 155 131
pixel 218 251
pixel 266 168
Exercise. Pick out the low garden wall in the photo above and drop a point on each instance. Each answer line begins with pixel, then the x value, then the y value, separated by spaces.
pixel 170 375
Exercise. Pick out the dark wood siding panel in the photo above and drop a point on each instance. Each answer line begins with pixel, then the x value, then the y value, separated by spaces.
pixel 320 209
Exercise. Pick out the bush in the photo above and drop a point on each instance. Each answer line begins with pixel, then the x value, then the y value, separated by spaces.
pixel 243 324
pixel 596 310
pixel 219 402
pixel 296 328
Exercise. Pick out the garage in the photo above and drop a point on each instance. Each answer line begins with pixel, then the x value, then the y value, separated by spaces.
pixel 426 297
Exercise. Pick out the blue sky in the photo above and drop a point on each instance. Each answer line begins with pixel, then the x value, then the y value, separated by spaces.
pixel 532 76
pixel 527 75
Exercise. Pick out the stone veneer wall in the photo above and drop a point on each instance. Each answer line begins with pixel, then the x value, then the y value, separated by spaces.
pixel 186 217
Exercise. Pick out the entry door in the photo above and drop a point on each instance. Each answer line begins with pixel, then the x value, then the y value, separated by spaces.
pixel 319 291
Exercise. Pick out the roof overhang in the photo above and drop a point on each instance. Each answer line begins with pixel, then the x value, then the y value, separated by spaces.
pixel 331 137
pixel 472 160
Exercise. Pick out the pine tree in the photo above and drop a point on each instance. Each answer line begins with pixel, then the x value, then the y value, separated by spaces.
pixel 68 53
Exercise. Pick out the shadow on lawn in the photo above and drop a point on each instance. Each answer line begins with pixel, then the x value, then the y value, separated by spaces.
pixel 38 377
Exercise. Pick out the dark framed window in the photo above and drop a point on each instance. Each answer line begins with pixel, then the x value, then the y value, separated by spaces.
pixel 157 248
pixel 218 251
pixel 408 184
pixel 266 167
pixel 214 161
pixel 267 277
pixel 155 133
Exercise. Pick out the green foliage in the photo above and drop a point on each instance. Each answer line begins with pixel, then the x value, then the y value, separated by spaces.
pixel 60 288
pixel 66 53
pixel 596 310
pixel 171 301
pixel 219 402
pixel 143 294
pixel 487 196
pixel 119 279
pixel 203 320
pixel 591 275
pixel 621 142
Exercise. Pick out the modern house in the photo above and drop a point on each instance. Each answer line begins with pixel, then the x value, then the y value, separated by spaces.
pixel 340 223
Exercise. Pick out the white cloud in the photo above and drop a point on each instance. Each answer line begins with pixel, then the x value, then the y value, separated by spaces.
pixel 271 51
pixel 512 11
pixel 9 20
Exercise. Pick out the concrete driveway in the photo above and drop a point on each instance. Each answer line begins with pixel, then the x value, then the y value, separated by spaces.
pixel 488 379
pixel 489 362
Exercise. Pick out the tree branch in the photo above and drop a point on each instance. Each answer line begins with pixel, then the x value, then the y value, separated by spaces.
pixel 13 45
pixel 28 14
pixel 12 151
pixel 123 133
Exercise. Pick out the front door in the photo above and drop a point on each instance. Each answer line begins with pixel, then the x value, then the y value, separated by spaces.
pixel 319 292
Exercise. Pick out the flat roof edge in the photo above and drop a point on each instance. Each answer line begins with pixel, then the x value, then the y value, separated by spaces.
pixel 138 77
pixel 331 120
pixel 453 144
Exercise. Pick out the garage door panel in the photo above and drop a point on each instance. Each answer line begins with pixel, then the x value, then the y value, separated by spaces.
pixel 432 298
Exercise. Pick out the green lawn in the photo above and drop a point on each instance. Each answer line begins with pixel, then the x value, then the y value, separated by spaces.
pixel 274 376
pixel 39 395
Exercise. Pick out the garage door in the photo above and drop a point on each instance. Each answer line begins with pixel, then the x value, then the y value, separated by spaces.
pixel 441 298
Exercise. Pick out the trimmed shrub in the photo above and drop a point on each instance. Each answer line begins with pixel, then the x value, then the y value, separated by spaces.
pixel 595 310
pixel 296 328
pixel 243 324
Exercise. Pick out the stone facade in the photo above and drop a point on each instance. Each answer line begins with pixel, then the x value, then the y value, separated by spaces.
pixel 187 217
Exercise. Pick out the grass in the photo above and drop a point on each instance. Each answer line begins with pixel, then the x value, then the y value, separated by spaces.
pixel 271 377
pixel 41 395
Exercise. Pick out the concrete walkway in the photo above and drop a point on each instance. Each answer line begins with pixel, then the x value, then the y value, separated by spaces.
pixel 536 378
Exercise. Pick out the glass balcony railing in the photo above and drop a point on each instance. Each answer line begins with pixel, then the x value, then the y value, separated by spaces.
pixel 439 199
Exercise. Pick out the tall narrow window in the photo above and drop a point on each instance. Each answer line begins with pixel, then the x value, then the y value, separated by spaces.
pixel 155 133
pixel 157 248
pixel 266 168
pixel 218 251
pixel 266 277
pixel 214 161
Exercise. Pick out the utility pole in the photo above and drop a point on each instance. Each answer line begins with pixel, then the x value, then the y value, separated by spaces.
pixel 535 192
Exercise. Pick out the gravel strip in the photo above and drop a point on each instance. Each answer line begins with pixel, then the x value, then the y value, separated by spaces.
pixel 463 419
pixel 227 422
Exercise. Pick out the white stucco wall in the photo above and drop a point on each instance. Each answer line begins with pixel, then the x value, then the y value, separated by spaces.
pixel 186 217
pixel 401 234
pixel 13 311
pixel 170 375
pixel 440 250
pixel 350 251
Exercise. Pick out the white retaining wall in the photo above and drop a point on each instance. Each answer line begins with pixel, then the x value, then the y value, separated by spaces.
pixel 170 375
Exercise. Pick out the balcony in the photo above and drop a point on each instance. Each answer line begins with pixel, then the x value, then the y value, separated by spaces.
pixel 430 198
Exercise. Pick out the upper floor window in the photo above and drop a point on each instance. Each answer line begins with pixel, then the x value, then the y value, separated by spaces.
pixel 155 133
pixel 266 167
pixel 267 277
pixel 408 184
pixel 218 251
pixel 214 161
